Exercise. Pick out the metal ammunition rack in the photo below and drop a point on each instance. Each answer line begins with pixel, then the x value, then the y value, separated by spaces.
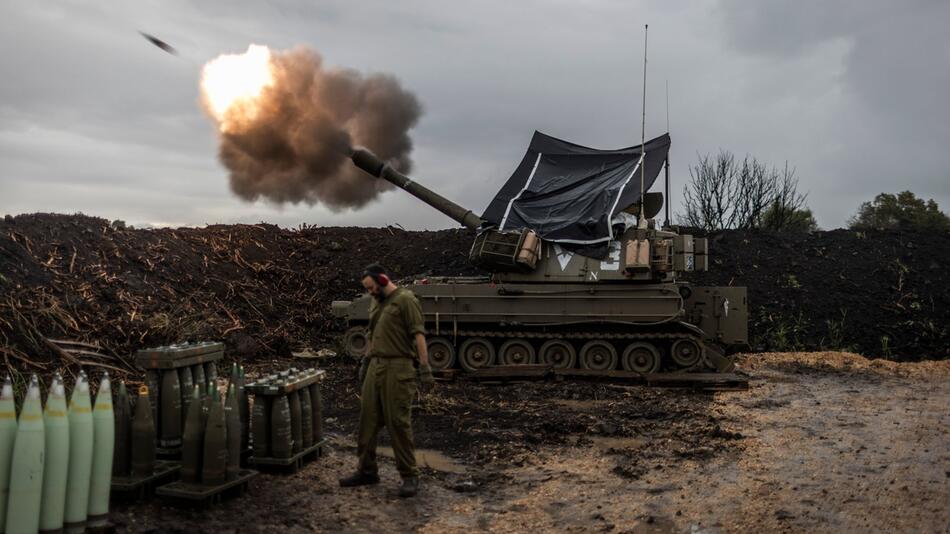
pixel 175 368
pixel 287 419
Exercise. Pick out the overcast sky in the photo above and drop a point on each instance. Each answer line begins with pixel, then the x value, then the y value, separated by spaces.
pixel 854 94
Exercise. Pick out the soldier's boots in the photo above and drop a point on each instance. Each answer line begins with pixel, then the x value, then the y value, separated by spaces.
pixel 359 478
pixel 409 487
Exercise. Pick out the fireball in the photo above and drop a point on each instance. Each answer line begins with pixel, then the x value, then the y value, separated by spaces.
pixel 232 83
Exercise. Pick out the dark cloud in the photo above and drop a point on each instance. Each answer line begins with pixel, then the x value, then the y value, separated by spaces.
pixel 850 93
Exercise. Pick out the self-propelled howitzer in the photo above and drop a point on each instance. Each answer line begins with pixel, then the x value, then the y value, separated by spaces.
pixel 544 302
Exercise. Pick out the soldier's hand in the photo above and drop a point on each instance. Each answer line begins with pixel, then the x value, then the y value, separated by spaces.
pixel 425 376
pixel 364 365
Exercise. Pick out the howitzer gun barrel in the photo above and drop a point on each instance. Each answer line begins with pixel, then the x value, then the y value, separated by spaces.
pixel 368 161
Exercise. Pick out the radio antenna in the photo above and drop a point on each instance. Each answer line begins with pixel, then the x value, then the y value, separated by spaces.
pixel 667 195
pixel 642 223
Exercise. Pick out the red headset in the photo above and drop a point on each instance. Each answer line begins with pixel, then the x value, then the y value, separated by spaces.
pixel 381 279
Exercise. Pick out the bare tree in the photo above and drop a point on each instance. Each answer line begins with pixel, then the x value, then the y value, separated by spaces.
pixel 724 194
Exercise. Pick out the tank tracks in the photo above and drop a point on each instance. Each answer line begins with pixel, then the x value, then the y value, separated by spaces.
pixel 640 352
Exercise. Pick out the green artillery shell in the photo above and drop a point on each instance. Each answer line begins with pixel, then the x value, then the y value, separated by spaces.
pixel 56 462
pixel 316 401
pixel 154 383
pixel 171 410
pixel 26 469
pixel 306 418
pixel 185 383
pixel 281 434
pixel 80 456
pixel 295 426
pixel 103 440
pixel 261 426
pixel 8 430
pixel 206 401
pixel 143 436
pixel 214 461
pixel 122 450
pixel 192 446
pixel 198 377
pixel 232 419
pixel 244 407
pixel 244 404
pixel 211 373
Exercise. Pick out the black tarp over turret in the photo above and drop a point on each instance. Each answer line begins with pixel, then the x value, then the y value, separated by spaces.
pixel 569 193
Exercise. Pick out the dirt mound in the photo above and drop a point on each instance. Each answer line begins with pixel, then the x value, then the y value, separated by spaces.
pixel 266 290
pixel 263 289
pixel 884 294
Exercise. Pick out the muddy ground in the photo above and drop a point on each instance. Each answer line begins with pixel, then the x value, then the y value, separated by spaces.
pixel 819 442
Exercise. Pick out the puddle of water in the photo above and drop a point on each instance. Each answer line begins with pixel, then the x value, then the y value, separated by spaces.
pixel 428 458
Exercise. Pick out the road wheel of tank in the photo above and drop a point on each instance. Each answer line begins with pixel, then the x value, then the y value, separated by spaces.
pixel 641 357
pixel 686 352
pixel 476 353
pixel 558 353
pixel 598 355
pixel 441 353
pixel 355 341
pixel 516 352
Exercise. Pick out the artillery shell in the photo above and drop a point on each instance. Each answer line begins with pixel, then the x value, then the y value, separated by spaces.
pixel 80 456
pixel 8 431
pixel 56 462
pixel 192 447
pixel 185 383
pixel 215 458
pixel 295 426
pixel 143 436
pixel 233 422
pixel 261 426
pixel 154 383
pixel 122 450
pixel 281 434
pixel 306 418
pixel 198 377
pixel 211 373
pixel 206 400
pixel 316 401
pixel 103 441
pixel 26 470
pixel 170 398
pixel 244 404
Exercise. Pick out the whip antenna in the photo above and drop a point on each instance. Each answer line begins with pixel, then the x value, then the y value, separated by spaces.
pixel 667 195
pixel 642 223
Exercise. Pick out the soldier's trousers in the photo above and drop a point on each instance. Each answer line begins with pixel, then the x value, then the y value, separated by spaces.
pixel 387 395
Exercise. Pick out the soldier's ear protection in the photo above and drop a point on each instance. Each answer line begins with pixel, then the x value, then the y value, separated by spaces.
pixel 377 276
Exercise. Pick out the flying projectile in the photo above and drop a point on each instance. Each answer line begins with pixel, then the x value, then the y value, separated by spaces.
pixel 159 43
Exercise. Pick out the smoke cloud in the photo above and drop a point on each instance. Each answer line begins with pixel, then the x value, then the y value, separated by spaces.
pixel 294 142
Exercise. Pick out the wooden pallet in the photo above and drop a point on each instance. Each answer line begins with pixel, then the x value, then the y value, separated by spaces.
pixel 294 463
pixel 201 494
pixel 137 487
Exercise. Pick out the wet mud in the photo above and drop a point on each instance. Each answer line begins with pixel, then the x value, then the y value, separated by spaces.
pixel 821 442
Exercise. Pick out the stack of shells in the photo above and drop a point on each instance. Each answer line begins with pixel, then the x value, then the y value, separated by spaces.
pixel 214 435
pixel 170 392
pixel 285 425
pixel 56 464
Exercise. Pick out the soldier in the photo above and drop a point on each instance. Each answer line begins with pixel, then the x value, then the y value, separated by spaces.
pixel 388 378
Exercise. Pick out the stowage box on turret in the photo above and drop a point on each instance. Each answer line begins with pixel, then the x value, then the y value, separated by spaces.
pixel 580 274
